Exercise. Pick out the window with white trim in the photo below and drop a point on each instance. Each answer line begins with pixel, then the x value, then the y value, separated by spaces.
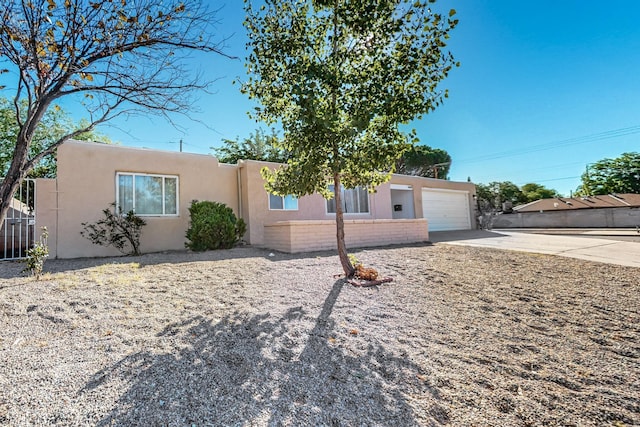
pixel 147 194
pixel 354 200
pixel 283 203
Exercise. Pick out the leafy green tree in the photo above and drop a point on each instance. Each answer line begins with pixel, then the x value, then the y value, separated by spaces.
pixel 491 196
pixel 258 146
pixel 112 57
pixel 55 123
pixel 422 160
pixel 610 176
pixel 532 192
pixel 340 77
pixel 494 194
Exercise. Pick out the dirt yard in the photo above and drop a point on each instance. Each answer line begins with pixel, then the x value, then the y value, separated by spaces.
pixel 462 337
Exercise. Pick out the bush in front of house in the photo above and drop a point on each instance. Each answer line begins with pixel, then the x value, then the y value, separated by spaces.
pixel 213 225
pixel 118 229
pixel 37 255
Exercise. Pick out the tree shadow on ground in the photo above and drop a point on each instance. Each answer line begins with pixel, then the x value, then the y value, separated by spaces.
pixel 259 370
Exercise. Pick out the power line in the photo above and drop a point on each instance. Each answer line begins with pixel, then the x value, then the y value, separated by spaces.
pixel 615 133
pixel 527 170
pixel 551 179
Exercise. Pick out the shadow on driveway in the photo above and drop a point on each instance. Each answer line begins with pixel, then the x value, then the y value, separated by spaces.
pixel 452 236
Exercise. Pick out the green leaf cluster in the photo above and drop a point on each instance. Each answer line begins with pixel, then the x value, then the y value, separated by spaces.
pixel 55 124
pixel 258 146
pixel 422 160
pixel 213 225
pixel 491 196
pixel 532 192
pixel 611 176
pixel 341 77
pixel 37 255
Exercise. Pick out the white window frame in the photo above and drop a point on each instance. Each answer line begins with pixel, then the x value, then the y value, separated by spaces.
pixel 284 204
pixel 359 188
pixel 133 175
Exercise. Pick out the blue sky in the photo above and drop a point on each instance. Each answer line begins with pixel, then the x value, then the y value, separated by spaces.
pixel 558 75
pixel 545 87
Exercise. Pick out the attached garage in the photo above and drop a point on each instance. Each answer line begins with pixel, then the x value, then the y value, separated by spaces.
pixel 446 209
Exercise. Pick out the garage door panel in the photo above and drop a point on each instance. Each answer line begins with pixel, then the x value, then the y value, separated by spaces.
pixel 446 210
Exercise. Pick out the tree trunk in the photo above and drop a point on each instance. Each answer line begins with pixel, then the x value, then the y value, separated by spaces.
pixel 349 271
pixel 20 166
pixel 14 176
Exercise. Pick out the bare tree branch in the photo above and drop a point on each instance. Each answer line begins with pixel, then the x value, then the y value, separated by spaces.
pixel 113 57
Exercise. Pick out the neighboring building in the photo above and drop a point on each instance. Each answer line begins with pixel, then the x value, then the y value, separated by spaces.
pixel 585 202
pixel 605 211
pixel 160 186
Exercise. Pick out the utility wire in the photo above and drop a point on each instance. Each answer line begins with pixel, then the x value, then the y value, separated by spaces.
pixel 521 170
pixel 616 133
pixel 547 180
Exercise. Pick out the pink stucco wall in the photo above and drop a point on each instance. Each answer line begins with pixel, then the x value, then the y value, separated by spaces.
pixel 86 184
pixel 256 212
pixel 306 236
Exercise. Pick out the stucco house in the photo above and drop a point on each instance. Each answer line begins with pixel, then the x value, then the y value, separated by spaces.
pixel 160 185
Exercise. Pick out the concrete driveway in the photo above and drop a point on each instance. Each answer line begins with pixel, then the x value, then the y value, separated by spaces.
pixel 619 249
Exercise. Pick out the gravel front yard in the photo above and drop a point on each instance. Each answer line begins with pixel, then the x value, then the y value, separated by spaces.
pixel 462 337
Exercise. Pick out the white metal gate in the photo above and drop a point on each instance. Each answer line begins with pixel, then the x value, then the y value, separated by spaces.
pixel 17 231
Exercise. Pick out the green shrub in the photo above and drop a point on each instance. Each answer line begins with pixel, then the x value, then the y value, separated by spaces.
pixel 37 255
pixel 119 230
pixel 213 226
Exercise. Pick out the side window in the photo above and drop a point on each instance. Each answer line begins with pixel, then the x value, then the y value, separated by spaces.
pixel 354 200
pixel 147 195
pixel 280 203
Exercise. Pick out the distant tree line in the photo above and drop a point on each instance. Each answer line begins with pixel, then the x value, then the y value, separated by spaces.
pixel 491 196
pixel 619 175
pixel 420 160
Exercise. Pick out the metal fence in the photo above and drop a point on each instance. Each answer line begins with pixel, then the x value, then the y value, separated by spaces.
pixel 17 231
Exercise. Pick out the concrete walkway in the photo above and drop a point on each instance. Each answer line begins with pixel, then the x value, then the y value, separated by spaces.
pixel 600 248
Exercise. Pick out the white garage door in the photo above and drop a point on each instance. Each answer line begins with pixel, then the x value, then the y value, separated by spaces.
pixel 446 209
